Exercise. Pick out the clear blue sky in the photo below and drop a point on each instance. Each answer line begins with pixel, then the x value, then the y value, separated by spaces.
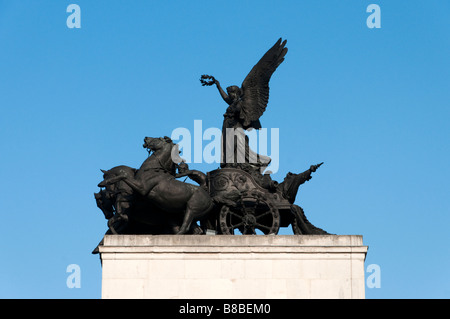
pixel 373 104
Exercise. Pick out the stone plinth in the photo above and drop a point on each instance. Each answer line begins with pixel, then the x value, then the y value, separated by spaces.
pixel 233 267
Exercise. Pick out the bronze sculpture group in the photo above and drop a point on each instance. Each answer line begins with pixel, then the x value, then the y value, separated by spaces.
pixel 236 198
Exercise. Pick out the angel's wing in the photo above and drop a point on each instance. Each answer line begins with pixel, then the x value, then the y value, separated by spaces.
pixel 255 88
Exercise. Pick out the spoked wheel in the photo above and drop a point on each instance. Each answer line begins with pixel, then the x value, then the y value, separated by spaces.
pixel 251 216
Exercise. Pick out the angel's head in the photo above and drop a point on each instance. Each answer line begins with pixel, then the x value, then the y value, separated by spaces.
pixel 234 92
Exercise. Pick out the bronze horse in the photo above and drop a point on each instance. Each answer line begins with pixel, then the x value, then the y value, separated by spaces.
pixel 155 183
pixel 115 200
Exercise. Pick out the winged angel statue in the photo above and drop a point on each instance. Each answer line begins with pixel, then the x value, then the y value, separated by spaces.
pixel 246 105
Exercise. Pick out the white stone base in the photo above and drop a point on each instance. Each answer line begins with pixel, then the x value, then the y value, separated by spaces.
pixel 232 267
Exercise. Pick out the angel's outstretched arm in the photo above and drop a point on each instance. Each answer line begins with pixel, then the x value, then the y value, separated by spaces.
pixel 224 96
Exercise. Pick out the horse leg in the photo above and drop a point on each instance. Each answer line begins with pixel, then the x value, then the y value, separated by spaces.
pixel 122 209
pixel 111 221
pixel 120 216
pixel 197 207
pixel 136 185
pixel 187 221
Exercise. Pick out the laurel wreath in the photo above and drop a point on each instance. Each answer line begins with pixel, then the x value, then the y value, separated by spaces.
pixel 207 80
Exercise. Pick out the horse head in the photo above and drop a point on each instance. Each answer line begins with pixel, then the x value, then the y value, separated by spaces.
pixel 107 176
pixel 164 150
pixel 157 143
pixel 105 202
pixel 114 175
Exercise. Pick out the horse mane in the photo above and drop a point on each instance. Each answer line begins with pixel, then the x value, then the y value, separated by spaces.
pixel 168 139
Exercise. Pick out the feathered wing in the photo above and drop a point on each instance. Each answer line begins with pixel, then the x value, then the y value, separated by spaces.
pixel 255 88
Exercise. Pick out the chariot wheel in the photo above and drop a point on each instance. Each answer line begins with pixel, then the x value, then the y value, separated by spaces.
pixel 252 215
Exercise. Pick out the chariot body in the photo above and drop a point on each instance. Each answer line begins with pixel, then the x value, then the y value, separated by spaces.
pixel 249 206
